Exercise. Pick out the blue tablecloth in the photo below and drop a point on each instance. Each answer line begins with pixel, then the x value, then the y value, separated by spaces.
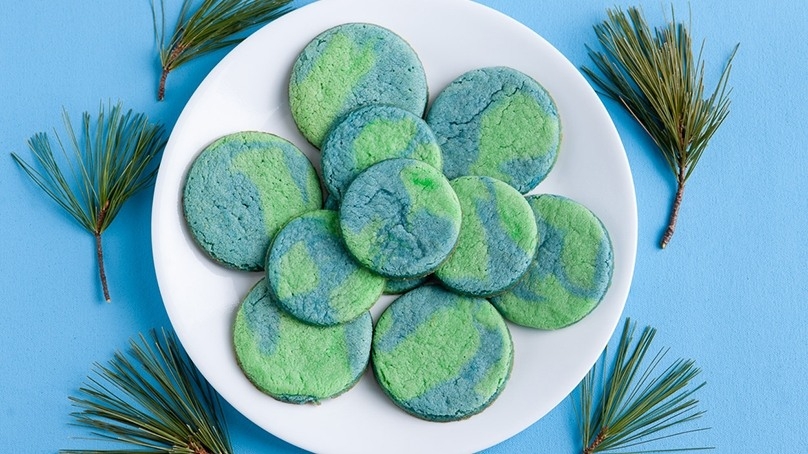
pixel 730 291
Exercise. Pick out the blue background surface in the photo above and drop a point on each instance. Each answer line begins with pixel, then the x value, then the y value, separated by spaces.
pixel 730 291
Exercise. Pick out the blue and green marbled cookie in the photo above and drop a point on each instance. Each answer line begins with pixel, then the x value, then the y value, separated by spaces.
pixel 313 277
pixel 571 272
pixel 400 218
pixel 370 135
pixel 293 361
pixel 350 66
pixel 240 190
pixel 441 356
pixel 497 238
pixel 497 122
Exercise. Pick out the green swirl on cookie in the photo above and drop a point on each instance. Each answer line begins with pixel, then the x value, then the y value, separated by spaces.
pixel 497 122
pixel 293 361
pixel 441 356
pixel 350 66
pixel 312 275
pixel 400 218
pixel 497 240
pixel 370 135
pixel 571 271
pixel 240 190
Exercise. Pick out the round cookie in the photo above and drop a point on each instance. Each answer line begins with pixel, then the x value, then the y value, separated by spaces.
pixel 571 272
pixel 240 190
pixel 370 135
pixel 497 238
pixel 497 122
pixel 313 277
pixel 293 361
pixel 441 356
pixel 351 66
pixel 399 286
pixel 400 218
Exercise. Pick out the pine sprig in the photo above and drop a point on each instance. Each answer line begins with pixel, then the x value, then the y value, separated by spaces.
pixel 634 403
pixel 154 400
pixel 213 25
pixel 110 159
pixel 657 78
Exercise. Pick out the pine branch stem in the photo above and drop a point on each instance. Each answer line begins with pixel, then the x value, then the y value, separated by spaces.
pixel 677 202
pixel 161 89
pixel 596 442
pixel 99 250
pixel 176 50
pixel 197 449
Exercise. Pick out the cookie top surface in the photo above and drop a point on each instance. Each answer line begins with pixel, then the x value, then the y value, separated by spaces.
pixel 572 269
pixel 240 190
pixel 293 361
pixel 351 66
pixel 400 218
pixel 498 238
pixel 370 135
pixel 441 356
pixel 313 277
pixel 497 122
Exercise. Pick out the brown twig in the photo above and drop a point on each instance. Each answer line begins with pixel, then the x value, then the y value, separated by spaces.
pixel 596 442
pixel 677 201
pixel 161 90
pixel 196 448
pixel 99 251
pixel 168 65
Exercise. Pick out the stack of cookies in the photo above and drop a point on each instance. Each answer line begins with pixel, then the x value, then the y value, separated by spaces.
pixel 425 202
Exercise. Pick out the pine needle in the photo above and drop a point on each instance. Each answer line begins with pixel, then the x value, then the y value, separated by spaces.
pixel 634 403
pixel 108 162
pixel 656 77
pixel 154 400
pixel 214 25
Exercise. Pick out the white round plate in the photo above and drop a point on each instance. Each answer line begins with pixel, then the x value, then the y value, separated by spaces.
pixel 248 91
